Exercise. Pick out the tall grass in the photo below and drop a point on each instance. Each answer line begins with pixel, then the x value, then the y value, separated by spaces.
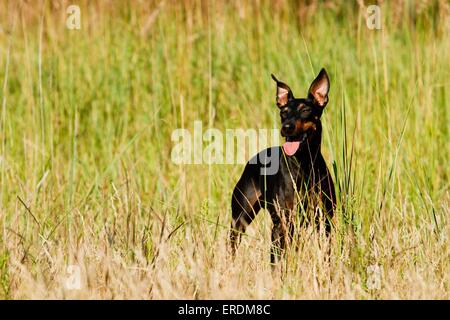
pixel 85 128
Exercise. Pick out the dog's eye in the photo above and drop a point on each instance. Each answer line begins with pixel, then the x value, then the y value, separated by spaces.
pixel 305 113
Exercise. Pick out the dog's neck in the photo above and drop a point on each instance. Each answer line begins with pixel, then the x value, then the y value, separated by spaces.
pixel 311 148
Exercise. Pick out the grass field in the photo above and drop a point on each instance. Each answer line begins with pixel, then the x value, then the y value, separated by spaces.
pixel 86 177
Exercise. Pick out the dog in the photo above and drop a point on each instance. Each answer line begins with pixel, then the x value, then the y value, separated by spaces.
pixel 302 179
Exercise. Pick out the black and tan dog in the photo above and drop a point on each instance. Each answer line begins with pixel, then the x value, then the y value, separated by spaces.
pixel 301 180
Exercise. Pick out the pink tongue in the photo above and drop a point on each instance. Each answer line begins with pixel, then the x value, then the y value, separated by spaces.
pixel 291 147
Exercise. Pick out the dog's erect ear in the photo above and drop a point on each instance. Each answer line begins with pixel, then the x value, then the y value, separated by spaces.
pixel 318 91
pixel 284 93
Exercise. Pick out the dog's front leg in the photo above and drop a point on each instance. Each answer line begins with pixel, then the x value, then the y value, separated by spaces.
pixel 282 232
pixel 328 198
pixel 278 243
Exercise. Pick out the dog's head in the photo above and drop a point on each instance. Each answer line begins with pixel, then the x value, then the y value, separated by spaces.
pixel 300 118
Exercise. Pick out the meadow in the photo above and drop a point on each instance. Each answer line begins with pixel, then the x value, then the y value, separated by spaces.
pixel 88 188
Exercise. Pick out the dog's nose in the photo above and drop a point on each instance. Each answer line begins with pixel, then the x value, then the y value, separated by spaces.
pixel 287 128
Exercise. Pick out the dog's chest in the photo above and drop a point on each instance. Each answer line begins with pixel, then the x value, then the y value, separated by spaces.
pixel 290 189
